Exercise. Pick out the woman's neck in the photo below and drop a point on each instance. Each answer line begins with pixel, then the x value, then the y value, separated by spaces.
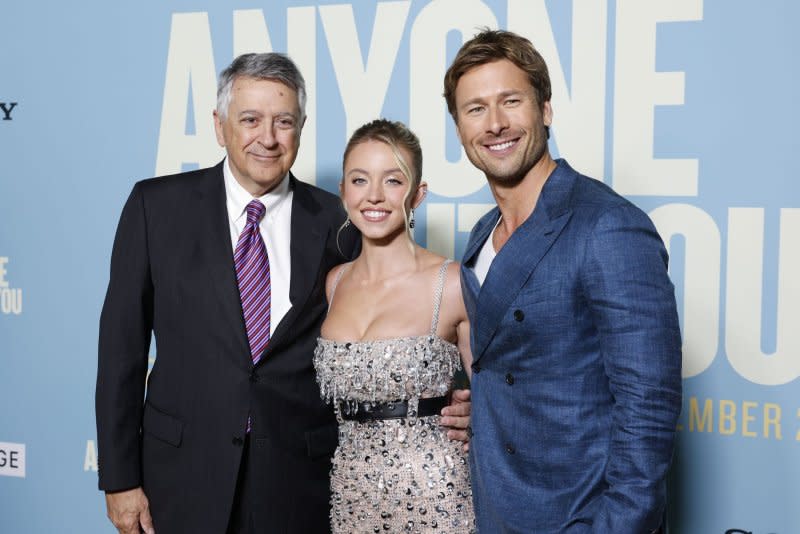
pixel 380 261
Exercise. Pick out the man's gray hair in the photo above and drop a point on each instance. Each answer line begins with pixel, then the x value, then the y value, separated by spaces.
pixel 267 66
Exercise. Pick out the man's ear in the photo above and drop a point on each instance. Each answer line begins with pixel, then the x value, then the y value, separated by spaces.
pixel 218 129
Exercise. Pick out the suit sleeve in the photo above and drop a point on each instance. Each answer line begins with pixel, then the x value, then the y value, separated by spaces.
pixel 633 304
pixel 125 328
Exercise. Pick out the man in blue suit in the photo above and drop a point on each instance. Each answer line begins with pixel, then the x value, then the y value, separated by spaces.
pixel 576 382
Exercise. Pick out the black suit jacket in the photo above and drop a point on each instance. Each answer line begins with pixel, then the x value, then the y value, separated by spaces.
pixel 172 274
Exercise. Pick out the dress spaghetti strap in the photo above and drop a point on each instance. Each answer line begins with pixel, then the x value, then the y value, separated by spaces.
pixel 437 297
pixel 336 280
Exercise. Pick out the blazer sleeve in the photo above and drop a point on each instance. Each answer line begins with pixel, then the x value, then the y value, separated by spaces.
pixel 633 304
pixel 125 329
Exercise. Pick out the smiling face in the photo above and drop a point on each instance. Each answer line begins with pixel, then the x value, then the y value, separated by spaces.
pixel 499 121
pixel 261 132
pixel 375 191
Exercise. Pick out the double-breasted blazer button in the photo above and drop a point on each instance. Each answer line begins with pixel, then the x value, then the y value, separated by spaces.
pixel 510 448
pixel 237 441
pixel 476 368
pixel 519 315
pixel 509 379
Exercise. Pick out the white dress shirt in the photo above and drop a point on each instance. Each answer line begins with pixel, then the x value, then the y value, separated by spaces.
pixel 275 228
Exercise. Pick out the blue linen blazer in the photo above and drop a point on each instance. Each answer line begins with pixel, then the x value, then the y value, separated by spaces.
pixel 576 384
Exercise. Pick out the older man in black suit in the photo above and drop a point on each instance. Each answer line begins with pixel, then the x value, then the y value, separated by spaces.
pixel 226 266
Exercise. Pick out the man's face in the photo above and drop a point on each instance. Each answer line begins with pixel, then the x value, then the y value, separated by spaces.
pixel 261 132
pixel 500 123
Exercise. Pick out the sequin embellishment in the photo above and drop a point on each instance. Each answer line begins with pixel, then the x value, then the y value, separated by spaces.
pixel 396 475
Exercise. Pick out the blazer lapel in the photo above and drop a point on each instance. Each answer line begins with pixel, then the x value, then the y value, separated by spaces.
pixel 480 235
pixel 470 286
pixel 307 245
pixel 214 227
pixel 517 260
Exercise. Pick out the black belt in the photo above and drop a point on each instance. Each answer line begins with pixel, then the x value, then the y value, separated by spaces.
pixel 369 411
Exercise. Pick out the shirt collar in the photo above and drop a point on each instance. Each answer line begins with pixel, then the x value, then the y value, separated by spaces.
pixel 238 197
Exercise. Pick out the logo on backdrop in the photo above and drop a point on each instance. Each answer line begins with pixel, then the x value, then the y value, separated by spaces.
pixel 5 110
pixel 12 459
pixel 90 458
pixel 10 298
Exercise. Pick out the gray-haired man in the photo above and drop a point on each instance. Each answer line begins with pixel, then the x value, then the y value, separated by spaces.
pixel 226 266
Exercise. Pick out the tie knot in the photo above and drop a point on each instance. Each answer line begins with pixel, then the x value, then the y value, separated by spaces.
pixel 255 210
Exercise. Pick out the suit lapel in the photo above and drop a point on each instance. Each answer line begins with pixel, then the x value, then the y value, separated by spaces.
pixel 517 260
pixel 480 235
pixel 470 286
pixel 307 245
pixel 214 228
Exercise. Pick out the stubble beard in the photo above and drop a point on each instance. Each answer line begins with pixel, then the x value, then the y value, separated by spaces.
pixel 517 174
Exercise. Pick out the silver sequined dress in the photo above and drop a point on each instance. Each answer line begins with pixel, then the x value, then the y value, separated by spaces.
pixel 395 475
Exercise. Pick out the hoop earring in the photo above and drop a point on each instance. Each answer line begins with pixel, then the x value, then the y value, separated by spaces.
pixel 411 219
pixel 346 223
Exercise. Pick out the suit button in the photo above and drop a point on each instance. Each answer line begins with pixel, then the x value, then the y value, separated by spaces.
pixel 476 368
pixel 519 315
pixel 253 376
pixel 510 448
pixel 237 441
pixel 510 379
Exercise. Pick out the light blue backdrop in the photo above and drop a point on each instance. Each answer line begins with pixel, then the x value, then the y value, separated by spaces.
pixel 688 107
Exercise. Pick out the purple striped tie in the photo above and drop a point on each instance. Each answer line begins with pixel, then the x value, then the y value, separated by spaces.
pixel 252 272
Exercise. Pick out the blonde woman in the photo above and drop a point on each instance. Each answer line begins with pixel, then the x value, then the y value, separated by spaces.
pixel 395 334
